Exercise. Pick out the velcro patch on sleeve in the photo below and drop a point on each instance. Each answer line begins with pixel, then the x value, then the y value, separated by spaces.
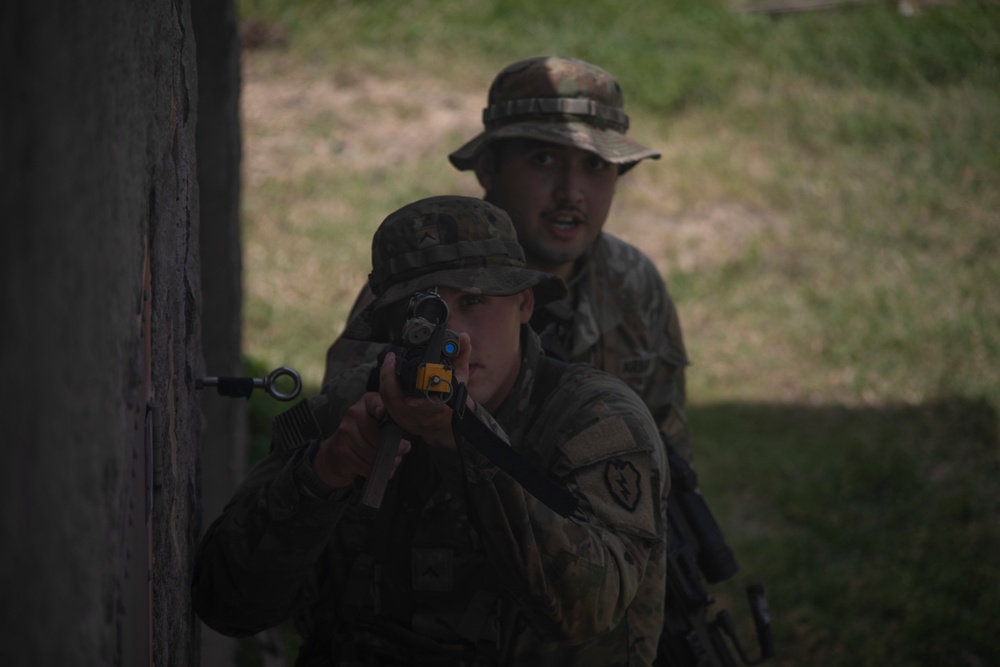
pixel 618 477
pixel 607 437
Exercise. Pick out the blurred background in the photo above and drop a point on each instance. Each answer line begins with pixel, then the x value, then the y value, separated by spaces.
pixel 826 215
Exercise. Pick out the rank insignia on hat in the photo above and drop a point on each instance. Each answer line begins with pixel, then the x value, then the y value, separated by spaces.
pixel 622 480
pixel 428 236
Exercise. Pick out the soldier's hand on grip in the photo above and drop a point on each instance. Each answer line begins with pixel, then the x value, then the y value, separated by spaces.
pixel 350 451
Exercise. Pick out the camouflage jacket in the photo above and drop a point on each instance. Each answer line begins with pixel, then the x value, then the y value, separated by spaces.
pixel 617 316
pixel 461 566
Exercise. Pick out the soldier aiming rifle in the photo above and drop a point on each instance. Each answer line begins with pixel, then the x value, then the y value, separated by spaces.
pixel 551 152
pixel 463 563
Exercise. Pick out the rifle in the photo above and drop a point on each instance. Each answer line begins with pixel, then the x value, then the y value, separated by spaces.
pixel 424 353
pixel 697 551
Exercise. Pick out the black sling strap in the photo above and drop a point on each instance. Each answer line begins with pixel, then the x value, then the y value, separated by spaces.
pixel 485 440
pixel 496 449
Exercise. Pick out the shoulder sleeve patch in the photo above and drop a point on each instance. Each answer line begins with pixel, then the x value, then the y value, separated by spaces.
pixel 620 478
pixel 625 493
pixel 624 483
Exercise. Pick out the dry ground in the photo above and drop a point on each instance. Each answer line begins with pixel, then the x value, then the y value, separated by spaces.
pixel 379 121
pixel 328 123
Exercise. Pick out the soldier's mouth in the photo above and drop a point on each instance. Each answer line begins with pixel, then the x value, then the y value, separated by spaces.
pixel 565 225
pixel 565 222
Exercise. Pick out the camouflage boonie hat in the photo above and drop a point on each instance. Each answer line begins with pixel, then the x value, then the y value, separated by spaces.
pixel 459 242
pixel 559 100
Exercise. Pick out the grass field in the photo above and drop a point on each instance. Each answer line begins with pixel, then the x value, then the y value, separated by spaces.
pixel 826 214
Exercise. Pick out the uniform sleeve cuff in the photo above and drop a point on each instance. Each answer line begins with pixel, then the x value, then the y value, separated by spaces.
pixel 309 482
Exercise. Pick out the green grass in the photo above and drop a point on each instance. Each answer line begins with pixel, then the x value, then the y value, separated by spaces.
pixel 873 540
pixel 826 213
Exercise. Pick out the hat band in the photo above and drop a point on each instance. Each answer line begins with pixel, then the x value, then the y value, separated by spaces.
pixel 575 106
pixel 402 267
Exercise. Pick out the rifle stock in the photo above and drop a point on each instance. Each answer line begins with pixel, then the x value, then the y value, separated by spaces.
pixel 697 553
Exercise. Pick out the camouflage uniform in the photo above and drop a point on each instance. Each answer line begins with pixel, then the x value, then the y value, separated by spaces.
pixel 620 318
pixel 618 315
pixel 461 566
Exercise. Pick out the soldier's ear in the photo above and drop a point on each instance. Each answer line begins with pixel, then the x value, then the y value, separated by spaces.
pixel 527 305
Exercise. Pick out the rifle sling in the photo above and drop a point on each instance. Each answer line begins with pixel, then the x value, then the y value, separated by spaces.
pixel 505 457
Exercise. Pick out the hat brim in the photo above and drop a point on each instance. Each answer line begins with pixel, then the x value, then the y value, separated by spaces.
pixel 611 145
pixel 488 281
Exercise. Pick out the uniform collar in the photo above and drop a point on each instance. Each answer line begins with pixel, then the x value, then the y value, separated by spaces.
pixel 512 413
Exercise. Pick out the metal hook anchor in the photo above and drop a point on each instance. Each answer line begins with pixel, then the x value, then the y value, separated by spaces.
pixel 244 386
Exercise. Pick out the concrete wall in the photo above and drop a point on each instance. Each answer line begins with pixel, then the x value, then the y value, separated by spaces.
pixel 100 336
pixel 224 441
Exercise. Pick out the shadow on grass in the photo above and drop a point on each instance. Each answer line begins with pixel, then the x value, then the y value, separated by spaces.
pixel 876 531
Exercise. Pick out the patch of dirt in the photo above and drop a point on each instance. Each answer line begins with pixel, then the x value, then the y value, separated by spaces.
pixel 704 237
pixel 297 121
pixel 369 121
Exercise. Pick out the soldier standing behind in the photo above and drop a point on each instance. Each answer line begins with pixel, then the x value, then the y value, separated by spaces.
pixel 461 565
pixel 551 152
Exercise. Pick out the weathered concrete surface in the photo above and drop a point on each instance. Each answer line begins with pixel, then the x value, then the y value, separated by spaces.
pixel 100 341
pixel 224 441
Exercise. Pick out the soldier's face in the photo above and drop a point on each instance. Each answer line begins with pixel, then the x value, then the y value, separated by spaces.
pixel 557 196
pixel 494 327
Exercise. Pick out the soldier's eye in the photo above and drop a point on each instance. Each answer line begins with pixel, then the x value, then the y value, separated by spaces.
pixel 542 159
pixel 471 300
pixel 597 163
